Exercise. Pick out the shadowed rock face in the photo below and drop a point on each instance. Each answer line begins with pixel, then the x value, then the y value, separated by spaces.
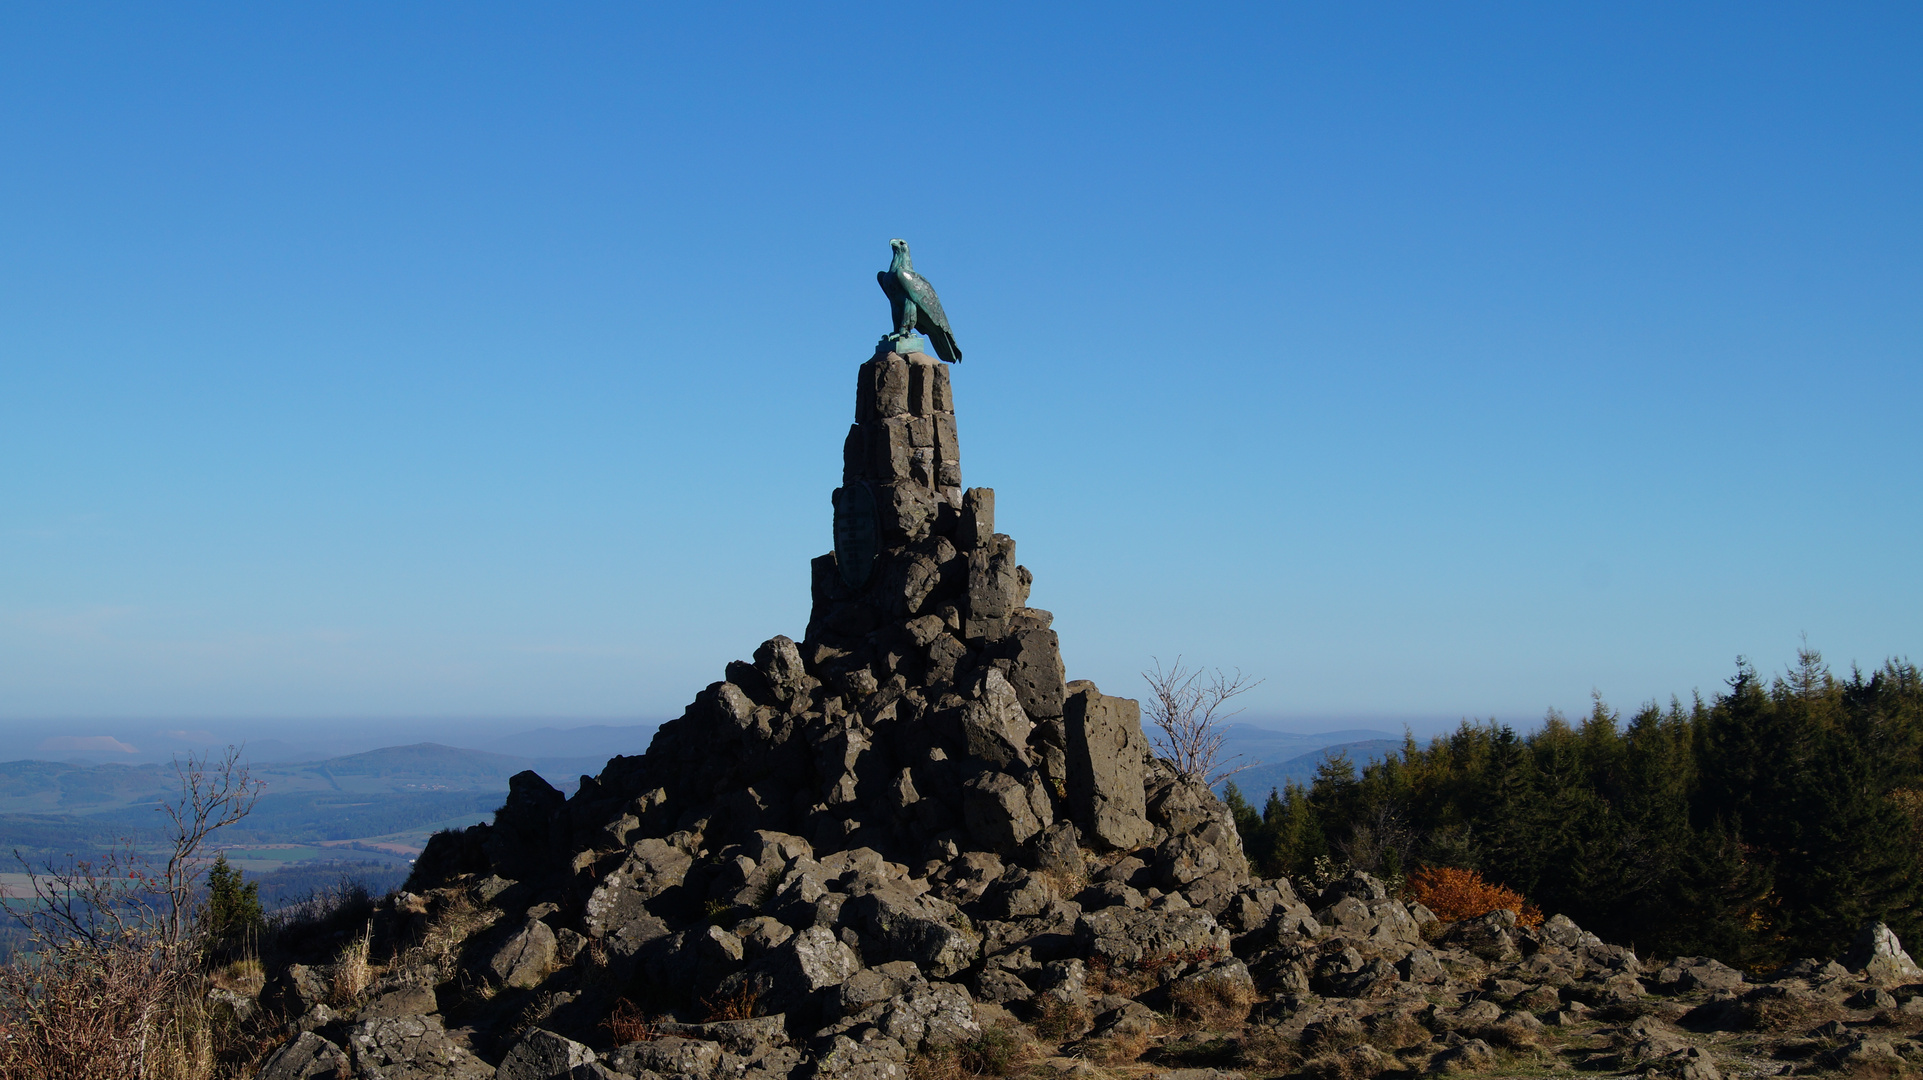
pixel 869 843
pixel 924 714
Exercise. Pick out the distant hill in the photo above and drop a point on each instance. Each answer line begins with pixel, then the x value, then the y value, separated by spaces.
pixel 382 804
pixel 55 787
pixel 385 803
pixel 1256 783
pixel 425 767
pixel 1271 746
pixel 420 767
pixel 60 787
pixel 599 741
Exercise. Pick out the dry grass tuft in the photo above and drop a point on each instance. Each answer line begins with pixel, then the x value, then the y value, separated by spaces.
pixel 1121 1048
pixel 1065 883
pixel 997 1051
pixel 1509 1035
pixel 352 972
pixel 626 1023
pixel 1130 979
pixel 1392 1031
pixel 1108 977
pixel 1267 1049
pixel 1788 1011
pixel 1056 1019
pixel 1333 1036
pixel 1211 1003
pixel 245 976
pixel 1355 1063
pixel 455 919
pixel 739 1005
pixel 1873 1068
pixel 534 1013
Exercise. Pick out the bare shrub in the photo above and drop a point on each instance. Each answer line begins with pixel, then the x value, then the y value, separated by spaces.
pixel 739 1005
pixel 940 1064
pixel 325 916
pixel 598 977
pixel 1159 967
pixel 535 1013
pixel 1186 709
pixel 78 1009
pixel 626 1023
pixel 112 982
pixel 1211 1003
pixel 212 797
pixel 1380 843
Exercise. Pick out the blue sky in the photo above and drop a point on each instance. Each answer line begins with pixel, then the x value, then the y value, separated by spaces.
pixel 1427 361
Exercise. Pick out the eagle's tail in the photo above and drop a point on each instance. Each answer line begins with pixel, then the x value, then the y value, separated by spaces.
pixel 944 343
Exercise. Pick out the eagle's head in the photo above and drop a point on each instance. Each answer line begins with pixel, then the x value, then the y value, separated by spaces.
pixel 900 248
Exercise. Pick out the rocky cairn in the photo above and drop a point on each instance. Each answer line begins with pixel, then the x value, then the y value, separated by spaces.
pixel 909 833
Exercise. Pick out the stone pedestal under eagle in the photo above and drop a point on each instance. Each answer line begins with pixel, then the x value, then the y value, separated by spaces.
pixel 914 304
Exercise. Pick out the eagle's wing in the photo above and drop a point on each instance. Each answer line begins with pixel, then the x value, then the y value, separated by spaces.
pixel 923 294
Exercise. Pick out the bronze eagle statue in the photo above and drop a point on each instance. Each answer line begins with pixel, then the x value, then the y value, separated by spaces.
pixel 913 302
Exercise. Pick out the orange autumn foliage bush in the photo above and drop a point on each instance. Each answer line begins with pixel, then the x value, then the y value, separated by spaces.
pixel 1453 894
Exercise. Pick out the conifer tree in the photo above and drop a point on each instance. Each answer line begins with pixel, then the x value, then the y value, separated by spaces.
pixel 1769 822
pixel 232 916
pixel 1293 830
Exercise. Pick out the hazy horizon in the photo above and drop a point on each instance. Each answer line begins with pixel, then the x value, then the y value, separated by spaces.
pixel 153 741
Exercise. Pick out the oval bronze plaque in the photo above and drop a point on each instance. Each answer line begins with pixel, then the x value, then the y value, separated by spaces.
pixel 857 533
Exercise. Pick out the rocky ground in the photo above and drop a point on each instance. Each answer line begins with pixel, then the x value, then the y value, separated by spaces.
pixel 846 966
pixel 908 846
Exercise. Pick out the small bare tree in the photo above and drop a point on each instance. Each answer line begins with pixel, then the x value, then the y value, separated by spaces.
pixel 212 797
pixel 98 901
pixel 113 942
pixel 1186 707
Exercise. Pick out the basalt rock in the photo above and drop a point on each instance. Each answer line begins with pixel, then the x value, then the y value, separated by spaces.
pixel 412 1048
pixel 1878 954
pixel 924 718
pixel 907 828
pixel 924 715
pixel 306 1057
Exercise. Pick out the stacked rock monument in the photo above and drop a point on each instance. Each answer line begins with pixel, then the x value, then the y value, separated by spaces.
pixel 909 830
